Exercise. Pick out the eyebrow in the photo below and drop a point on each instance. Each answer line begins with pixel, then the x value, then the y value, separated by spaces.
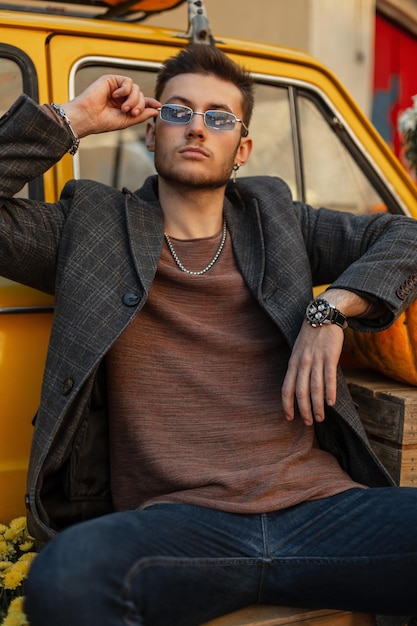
pixel 186 102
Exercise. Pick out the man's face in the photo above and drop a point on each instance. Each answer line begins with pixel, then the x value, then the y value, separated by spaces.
pixel 195 155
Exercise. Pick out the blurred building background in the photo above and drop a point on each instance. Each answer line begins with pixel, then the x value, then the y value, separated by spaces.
pixel 371 45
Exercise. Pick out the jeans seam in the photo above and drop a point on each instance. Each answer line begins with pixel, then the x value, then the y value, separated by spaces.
pixel 266 557
pixel 346 560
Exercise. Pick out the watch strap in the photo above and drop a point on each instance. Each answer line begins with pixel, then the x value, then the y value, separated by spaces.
pixel 338 318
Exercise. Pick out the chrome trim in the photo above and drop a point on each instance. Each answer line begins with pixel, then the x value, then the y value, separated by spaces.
pixel 108 61
pixel 12 310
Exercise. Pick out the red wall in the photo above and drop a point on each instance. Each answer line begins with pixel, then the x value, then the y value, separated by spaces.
pixel 395 78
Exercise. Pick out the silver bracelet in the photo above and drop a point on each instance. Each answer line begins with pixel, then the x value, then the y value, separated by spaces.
pixel 64 117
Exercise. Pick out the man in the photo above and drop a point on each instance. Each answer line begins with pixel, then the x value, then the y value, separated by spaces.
pixel 183 380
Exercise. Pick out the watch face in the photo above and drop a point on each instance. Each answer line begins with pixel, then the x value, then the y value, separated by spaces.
pixel 318 312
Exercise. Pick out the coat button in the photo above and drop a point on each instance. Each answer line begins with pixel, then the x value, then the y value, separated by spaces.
pixel 130 299
pixel 67 386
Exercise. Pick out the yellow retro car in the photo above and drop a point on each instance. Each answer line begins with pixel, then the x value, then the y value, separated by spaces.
pixel 306 129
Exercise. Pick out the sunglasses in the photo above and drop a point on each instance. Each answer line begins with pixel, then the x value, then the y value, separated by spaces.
pixel 218 120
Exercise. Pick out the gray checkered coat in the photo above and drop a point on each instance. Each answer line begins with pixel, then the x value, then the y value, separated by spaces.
pixel 97 250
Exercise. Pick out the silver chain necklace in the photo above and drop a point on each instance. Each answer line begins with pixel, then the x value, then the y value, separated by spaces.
pixel 212 262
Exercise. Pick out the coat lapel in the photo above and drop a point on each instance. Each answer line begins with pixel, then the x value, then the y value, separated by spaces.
pixel 145 232
pixel 248 243
pixel 270 252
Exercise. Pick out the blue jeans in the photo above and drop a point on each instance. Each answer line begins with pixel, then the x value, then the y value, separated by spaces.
pixel 181 565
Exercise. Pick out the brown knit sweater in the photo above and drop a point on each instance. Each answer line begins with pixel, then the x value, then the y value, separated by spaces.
pixel 195 405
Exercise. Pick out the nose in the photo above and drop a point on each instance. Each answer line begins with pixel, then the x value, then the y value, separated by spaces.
pixel 196 127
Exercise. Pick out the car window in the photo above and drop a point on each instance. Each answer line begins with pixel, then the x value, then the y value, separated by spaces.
pixel 332 177
pixel 273 151
pixel 294 137
pixel 11 83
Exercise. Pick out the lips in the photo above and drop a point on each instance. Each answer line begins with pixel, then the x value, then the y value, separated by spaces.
pixel 194 150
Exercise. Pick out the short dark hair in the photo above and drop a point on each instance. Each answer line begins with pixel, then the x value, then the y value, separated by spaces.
pixel 207 59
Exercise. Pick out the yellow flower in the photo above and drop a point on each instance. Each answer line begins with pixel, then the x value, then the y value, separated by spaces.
pixel 16 556
pixel 13 578
pixel 26 546
pixel 5 549
pixel 17 572
pixel 27 557
pixel 16 530
pixel 11 534
pixel 16 615
pixel 18 524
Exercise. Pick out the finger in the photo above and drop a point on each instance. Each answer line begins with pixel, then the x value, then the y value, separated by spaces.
pixel 317 387
pixel 124 87
pixel 129 97
pixel 135 100
pixel 288 391
pixel 331 384
pixel 331 364
pixel 296 388
pixel 303 396
pixel 153 103
pixel 150 106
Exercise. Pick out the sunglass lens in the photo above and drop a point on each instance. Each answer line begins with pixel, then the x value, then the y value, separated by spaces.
pixel 220 120
pixel 175 114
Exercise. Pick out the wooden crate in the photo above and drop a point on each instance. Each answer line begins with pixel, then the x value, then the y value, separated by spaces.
pixel 262 615
pixel 388 410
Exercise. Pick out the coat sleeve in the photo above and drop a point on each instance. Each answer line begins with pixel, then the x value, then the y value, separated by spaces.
pixel 30 143
pixel 375 255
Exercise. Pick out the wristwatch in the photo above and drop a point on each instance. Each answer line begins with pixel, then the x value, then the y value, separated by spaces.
pixel 320 311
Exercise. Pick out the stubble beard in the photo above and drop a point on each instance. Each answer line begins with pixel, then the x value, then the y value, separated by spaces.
pixel 195 181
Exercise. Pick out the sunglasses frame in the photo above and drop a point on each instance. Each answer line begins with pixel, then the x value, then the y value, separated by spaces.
pixel 178 121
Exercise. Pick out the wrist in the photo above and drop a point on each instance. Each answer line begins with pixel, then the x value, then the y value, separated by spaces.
pixel 66 122
pixel 349 303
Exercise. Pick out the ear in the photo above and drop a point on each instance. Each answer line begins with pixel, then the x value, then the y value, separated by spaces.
pixel 150 136
pixel 244 150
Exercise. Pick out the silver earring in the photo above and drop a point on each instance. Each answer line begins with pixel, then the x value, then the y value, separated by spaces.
pixel 235 171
